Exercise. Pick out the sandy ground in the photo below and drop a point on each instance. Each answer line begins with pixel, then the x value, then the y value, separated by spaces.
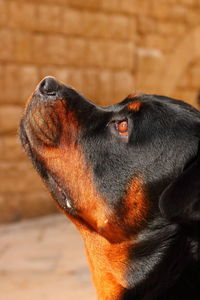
pixel 43 259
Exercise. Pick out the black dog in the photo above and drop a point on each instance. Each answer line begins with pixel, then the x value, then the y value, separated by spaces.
pixel 128 176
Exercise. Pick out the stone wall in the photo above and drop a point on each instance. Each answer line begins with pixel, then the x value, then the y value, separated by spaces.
pixel 104 48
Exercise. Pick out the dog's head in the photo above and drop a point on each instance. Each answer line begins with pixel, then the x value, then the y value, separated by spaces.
pixel 113 169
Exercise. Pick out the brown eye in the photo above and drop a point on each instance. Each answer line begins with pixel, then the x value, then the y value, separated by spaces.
pixel 122 127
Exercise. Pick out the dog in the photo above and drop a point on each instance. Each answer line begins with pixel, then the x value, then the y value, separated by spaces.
pixel 128 177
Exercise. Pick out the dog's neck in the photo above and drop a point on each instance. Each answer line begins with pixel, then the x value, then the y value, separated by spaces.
pixel 129 269
pixel 108 264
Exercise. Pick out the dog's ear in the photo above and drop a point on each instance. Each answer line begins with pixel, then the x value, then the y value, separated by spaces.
pixel 180 201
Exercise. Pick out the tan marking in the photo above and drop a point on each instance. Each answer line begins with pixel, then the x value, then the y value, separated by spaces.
pixel 136 204
pixel 109 263
pixel 135 106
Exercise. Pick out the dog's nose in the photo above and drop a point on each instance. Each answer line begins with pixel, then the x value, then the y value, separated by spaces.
pixel 49 86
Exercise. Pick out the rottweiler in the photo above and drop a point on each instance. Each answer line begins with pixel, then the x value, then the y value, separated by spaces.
pixel 128 177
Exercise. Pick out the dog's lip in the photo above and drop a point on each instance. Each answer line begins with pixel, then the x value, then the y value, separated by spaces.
pixel 61 196
pixel 24 138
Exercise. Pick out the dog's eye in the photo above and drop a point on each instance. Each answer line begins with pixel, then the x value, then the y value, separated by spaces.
pixel 122 127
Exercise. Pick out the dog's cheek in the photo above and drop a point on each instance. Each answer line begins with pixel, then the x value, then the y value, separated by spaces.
pixel 68 164
pixel 136 204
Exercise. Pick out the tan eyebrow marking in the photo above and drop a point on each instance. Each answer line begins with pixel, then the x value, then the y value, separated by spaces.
pixel 135 106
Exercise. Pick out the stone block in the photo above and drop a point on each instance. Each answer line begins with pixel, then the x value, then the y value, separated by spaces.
pixel 72 22
pixel 55 49
pixel 11 87
pixel 16 206
pixel 96 53
pixel 22 15
pixel 76 80
pixel 143 7
pixel 124 85
pixel 23 43
pixel 90 83
pixel 168 11
pixel 111 5
pixel 132 29
pixel 171 28
pixel 185 80
pixel 107 54
pixel 179 12
pixel 160 9
pixel 189 2
pixel 192 17
pixel 149 63
pixel 130 6
pixel 147 24
pixel 119 55
pixel 28 79
pixel 3 13
pixel 2 85
pixel 20 177
pixel 75 52
pixel 105 87
pixel 89 4
pixel 96 24
pixel 6 45
pixel 120 27
pixel 49 18
pixel 165 43
pixel 61 2
pixel 9 118
pixel 10 148
pixel 104 26
pixel 58 50
pixel 39 47
pixel 19 82
pixel 195 77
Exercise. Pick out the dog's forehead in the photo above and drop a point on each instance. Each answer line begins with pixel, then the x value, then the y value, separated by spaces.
pixel 134 103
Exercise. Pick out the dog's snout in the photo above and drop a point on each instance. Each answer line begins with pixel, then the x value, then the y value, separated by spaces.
pixel 49 86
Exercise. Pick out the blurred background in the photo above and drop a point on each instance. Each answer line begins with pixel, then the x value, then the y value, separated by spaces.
pixel 106 49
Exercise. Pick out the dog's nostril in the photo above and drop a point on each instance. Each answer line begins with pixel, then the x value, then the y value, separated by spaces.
pixel 49 86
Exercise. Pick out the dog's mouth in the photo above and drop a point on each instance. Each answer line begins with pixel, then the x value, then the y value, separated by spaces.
pixel 60 195
pixel 51 181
